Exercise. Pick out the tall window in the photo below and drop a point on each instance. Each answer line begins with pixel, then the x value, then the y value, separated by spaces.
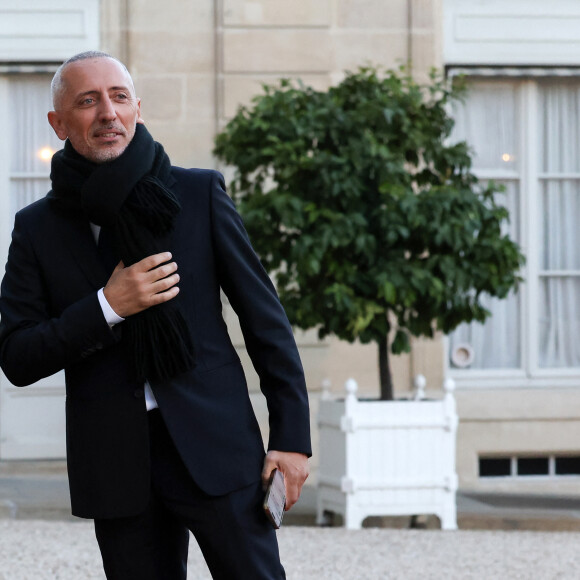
pixel 525 134
pixel 32 140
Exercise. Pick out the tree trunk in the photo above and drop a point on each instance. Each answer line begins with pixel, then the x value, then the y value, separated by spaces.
pixel 385 371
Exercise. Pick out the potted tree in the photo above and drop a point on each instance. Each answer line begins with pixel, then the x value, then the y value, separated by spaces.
pixel 370 220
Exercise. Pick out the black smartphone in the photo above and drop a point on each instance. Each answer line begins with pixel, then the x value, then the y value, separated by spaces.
pixel 275 498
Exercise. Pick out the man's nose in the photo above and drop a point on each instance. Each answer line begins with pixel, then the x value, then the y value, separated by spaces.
pixel 107 110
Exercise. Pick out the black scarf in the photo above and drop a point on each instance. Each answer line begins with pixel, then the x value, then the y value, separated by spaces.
pixel 129 197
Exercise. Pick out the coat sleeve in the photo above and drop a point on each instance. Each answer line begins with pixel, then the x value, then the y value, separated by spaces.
pixel 267 333
pixel 34 345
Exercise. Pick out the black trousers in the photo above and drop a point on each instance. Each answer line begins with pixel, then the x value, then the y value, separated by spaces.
pixel 235 537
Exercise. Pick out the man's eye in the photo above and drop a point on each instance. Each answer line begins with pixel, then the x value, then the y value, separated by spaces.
pixel 88 101
pixel 122 96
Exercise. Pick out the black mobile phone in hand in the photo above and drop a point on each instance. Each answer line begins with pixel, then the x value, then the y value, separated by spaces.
pixel 275 498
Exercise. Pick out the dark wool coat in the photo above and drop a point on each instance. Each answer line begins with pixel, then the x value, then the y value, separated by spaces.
pixel 51 319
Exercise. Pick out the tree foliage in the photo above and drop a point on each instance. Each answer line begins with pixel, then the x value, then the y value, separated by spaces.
pixel 363 210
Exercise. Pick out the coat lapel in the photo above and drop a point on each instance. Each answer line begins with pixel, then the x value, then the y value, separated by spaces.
pixel 83 248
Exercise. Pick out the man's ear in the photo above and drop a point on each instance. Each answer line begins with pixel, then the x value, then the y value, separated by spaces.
pixel 57 124
pixel 139 117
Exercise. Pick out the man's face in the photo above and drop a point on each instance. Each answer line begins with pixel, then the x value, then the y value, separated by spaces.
pixel 97 110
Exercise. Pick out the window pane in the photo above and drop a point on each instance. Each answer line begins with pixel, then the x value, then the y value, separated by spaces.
pixel 32 139
pixel 496 344
pixel 24 191
pixel 560 234
pixel 559 114
pixel 494 467
pixel 559 322
pixel 568 465
pixel 533 466
pixel 489 122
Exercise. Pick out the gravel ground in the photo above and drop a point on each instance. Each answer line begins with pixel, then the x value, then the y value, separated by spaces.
pixel 39 550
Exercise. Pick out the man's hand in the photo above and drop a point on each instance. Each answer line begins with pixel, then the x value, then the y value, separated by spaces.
pixel 142 285
pixel 294 467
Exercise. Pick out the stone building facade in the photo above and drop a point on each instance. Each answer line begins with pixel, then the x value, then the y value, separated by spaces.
pixel 195 62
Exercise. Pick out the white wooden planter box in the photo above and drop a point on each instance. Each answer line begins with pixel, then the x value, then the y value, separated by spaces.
pixel 382 458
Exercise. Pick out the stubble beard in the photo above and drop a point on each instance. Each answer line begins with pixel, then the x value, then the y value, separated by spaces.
pixel 105 155
pixel 108 152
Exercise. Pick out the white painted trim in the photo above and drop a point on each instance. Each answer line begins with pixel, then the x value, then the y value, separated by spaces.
pixel 524 230
pixel 537 383
pixel 561 176
pixel 518 32
pixel 532 245
pixel 497 174
pixel 489 374
pixel 49 387
pixel 520 72
pixel 558 273
pixel 47 30
pixel 12 68
pixel 27 176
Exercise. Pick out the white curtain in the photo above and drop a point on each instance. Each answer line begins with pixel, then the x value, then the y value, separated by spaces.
pixel 496 344
pixel 30 136
pixel 559 158
pixel 489 122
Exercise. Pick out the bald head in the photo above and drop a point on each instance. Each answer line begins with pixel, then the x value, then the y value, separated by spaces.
pixel 58 86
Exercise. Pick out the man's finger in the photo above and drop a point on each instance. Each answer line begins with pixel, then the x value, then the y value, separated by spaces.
pixel 164 283
pixel 294 485
pixel 151 262
pixel 161 273
pixel 292 495
pixel 165 296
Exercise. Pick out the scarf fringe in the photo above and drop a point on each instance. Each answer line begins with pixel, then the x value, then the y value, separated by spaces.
pixel 159 343
pixel 158 338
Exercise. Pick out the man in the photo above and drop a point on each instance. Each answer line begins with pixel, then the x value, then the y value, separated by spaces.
pixel 161 436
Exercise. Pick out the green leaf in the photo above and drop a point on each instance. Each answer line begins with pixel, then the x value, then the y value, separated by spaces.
pixel 401 342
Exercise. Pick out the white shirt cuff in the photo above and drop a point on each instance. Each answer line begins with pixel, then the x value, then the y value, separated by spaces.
pixel 110 315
